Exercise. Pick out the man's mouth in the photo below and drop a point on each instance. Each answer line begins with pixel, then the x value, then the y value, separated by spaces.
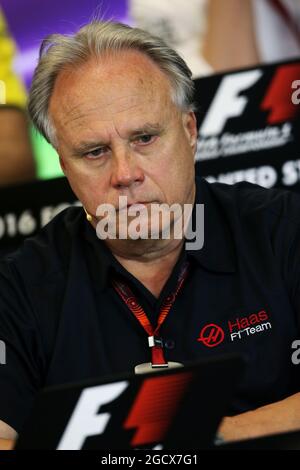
pixel 135 205
pixel 139 203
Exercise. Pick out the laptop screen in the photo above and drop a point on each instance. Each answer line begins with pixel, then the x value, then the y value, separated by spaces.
pixel 177 408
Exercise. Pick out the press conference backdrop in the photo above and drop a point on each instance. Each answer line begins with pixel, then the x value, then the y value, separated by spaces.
pixel 25 209
pixel 249 126
pixel 249 129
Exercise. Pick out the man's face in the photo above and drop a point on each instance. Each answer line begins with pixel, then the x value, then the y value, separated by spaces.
pixel 119 133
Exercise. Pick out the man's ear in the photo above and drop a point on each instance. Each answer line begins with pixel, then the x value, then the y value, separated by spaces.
pixel 190 127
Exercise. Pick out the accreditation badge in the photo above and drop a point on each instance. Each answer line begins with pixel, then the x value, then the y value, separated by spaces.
pixel 147 367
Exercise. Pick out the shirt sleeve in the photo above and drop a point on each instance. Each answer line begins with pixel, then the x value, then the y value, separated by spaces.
pixel 21 357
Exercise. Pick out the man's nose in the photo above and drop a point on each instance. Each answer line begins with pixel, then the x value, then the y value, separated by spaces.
pixel 125 169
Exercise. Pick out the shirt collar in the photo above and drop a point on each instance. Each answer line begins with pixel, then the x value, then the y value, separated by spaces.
pixel 217 253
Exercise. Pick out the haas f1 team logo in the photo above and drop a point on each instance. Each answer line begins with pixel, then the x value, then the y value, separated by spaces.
pixel 230 100
pixel 147 421
pixel 212 335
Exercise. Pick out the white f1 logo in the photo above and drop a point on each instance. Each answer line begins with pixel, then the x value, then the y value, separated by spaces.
pixel 85 420
pixel 227 103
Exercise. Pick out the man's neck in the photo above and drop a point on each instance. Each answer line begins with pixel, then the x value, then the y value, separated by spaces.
pixel 153 267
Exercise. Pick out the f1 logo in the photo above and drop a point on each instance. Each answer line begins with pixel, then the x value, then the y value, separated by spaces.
pixel 227 102
pixel 278 100
pixel 85 420
pixel 150 419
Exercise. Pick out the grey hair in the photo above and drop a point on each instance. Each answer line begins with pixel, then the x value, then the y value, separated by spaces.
pixel 95 39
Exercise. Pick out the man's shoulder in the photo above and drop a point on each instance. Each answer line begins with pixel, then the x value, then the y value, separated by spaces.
pixel 48 252
pixel 248 200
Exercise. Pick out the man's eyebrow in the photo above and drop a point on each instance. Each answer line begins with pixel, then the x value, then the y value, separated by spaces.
pixel 148 127
pixel 84 147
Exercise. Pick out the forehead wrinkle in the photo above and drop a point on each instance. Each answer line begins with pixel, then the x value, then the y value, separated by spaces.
pixel 151 92
pixel 74 112
pixel 125 108
pixel 78 115
pixel 141 85
pixel 87 143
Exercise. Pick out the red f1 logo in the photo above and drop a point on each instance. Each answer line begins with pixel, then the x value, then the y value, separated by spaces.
pixel 278 100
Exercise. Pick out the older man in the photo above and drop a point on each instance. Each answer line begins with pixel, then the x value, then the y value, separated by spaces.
pixel 117 104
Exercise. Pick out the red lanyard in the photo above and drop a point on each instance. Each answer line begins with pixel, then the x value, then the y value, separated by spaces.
pixel 283 11
pixel 155 343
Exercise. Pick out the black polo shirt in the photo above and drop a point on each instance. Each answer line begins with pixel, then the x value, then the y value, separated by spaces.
pixel 62 321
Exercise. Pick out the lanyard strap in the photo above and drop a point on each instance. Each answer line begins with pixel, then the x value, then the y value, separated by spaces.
pixel 155 343
pixel 283 11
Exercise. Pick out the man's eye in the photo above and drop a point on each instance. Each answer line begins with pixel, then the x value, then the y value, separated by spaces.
pixel 93 154
pixel 145 139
